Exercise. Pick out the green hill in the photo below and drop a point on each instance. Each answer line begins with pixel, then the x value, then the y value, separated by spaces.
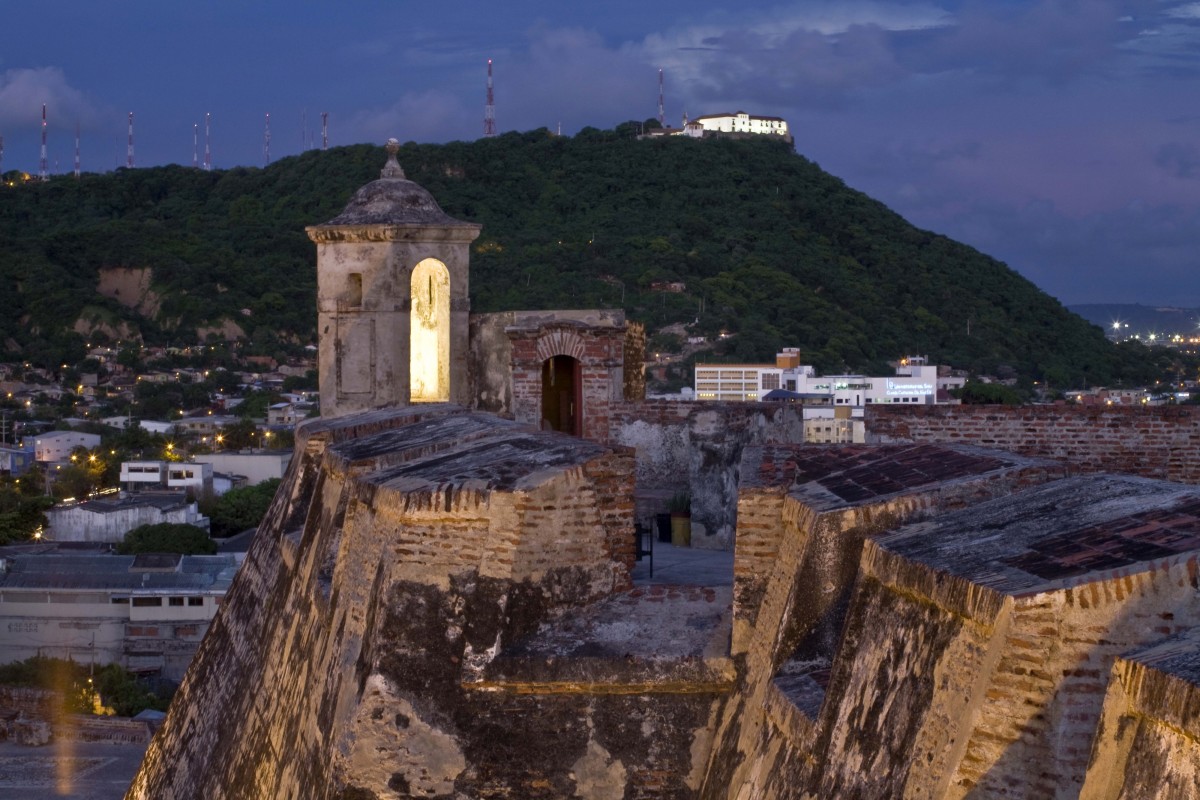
pixel 768 245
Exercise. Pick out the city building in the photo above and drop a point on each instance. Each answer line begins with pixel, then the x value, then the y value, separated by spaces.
pixel 832 405
pixel 172 475
pixel 108 519
pixel 254 467
pixel 57 445
pixel 147 613
pixel 14 461
pixel 915 381
pixel 205 424
pixel 741 122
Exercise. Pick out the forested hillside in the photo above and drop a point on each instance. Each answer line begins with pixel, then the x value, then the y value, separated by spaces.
pixel 769 246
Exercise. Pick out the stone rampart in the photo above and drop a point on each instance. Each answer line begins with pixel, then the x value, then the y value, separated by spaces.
pixel 1148 742
pixel 395 630
pixel 696 448
pixel 806 512
pixel 978 647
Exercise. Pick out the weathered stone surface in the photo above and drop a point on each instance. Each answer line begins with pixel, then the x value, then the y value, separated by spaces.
pixel 1148 742
pixel 978 646
pixel 697 448
pixel 804 513
pixel 383 637
pixel 440 606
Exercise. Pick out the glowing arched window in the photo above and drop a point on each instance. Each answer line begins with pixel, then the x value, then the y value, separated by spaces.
pixel 429 333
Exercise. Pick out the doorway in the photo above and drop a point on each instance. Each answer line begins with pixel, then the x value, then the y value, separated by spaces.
pixel 562 407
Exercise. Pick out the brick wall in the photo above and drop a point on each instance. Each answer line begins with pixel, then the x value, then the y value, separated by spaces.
pixel 1159 442
pixel 600 352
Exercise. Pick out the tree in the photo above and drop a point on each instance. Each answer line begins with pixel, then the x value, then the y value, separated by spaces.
pixel 239 435
pixel 240 509
pixel 21 516
pixel 979 393
pixel 167 537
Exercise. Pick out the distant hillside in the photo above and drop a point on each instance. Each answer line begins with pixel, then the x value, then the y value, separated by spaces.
pixel 1141 320
pixel 768 245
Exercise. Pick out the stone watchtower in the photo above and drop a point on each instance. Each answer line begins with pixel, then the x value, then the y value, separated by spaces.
pixel 392 302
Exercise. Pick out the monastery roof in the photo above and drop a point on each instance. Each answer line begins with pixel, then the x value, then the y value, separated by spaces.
pixel 734 114
pixel 393 200
pixel 1057 534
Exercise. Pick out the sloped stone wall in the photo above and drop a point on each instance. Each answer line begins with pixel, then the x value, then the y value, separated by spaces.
pixel 404 550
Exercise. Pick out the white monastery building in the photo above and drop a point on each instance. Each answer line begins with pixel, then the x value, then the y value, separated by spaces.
pixel 741 122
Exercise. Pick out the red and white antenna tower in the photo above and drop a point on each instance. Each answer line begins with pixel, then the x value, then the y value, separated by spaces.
pixel 43 172
pixel 207 143
pixel 267 141
pixel 324 130
pixel 661 116
pixel 76 149
pixel 129 148
pixel 195 145
pixel 489 110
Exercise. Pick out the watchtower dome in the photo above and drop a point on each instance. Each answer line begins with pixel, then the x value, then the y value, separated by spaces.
pixel 392 298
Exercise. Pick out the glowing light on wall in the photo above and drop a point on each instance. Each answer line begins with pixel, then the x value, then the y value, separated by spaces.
pixel 429 333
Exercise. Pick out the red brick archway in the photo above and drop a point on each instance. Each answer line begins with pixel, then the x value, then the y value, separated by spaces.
pixel 595 357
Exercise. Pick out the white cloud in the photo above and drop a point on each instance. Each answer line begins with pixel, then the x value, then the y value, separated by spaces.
pixel 1185 11
pixel 23 91
pixel 415 116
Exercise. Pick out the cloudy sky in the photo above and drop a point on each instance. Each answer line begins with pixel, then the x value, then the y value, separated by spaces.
pixel 1061 136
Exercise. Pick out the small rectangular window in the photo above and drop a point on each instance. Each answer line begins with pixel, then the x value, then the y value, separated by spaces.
pixel 146 602
pixel 195 601
pixel 354 290
pixel 177 601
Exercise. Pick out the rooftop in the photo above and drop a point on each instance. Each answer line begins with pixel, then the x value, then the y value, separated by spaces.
pixel 1057 534
pixel 109 572
pixel 832 476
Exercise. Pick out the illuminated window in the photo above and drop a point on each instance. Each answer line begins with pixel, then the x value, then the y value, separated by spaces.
pixel 429 333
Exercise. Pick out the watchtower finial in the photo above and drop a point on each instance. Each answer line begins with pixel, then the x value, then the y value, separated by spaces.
pixel 392 168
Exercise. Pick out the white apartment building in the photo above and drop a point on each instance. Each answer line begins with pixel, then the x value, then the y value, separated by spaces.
pixel 57 445
pixel 915 382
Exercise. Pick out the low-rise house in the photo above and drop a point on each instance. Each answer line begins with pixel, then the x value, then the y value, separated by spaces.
pixel 283 414
pixel 196 479
pixel 15 461
pixel 147 613
pixel 256 467
pixel 205 425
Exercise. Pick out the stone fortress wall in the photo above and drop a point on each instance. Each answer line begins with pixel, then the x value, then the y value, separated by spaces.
pixel 439 606
pixel 1156 442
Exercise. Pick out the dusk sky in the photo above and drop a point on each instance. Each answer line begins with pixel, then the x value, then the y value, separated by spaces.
pixel 1060 136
